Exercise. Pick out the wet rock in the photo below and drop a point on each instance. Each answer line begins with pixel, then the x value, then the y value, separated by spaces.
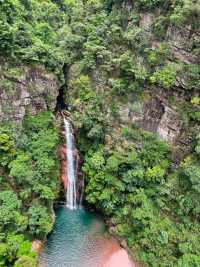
pixel 63 165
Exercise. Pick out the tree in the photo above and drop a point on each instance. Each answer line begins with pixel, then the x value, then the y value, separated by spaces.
pixel 40 221
pixel 20 168
pixel 7 149
pixel 9 209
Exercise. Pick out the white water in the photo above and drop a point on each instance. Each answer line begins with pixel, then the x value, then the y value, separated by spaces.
pixel 71 173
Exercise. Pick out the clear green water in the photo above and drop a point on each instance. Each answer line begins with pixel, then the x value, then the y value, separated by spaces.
pixel 79 239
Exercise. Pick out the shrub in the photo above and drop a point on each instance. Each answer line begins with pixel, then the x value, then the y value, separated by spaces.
pixel 159 27
pixel 165 77
pixel 26 261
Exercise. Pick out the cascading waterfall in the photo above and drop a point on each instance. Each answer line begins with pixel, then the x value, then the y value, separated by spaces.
pixel 82 232
pixel 71 171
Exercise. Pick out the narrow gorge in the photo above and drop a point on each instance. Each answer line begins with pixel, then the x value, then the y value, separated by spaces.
pixel 79 237
pixel 99 133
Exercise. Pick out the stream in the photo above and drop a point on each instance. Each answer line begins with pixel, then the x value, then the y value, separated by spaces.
pixel 80 239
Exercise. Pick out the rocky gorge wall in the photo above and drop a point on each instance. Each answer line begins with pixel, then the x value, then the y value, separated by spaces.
pixel 161 113
pixel 156 114
pixel 131 69
pixel 26 89
pixel 159 110
pixel 31 89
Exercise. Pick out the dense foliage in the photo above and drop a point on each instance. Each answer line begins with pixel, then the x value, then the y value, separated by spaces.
pixel 148 200
pixel 28 182
pixel 154 209
pixel 115 57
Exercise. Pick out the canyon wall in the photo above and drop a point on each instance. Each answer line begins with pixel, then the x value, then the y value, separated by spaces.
pixel 159 110
pixel 26 89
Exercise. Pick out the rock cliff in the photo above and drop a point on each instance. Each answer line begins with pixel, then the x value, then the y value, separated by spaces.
pixel 26 89
pixel 159 110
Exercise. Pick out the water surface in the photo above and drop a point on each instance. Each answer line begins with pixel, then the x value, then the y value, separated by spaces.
pixel 79 239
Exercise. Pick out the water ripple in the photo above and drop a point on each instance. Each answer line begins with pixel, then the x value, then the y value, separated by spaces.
pixel 78 240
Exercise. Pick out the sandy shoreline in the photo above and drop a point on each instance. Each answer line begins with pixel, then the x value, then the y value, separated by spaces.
pixel 118 259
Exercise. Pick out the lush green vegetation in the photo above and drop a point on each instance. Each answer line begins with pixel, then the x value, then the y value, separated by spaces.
pixel 29 183
pixel 155 209
pixel 148 200
pixel 151 203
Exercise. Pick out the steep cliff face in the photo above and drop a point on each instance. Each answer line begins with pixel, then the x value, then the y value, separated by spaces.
pixel 161 114
pixel 26 89
pixel 156 114
pixel 157 111
pixel 132 78
pixel 180 38
pixel 156 106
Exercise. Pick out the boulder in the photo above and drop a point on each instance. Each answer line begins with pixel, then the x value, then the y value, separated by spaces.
pixel 36 246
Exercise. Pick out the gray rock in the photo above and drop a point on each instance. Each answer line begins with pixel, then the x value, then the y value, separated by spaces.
pixel 26 90
pixel 184 56
pixel 169 126
pixel 162 119
pixel 180 37
pixel 146 21
pixel 131 111
pixel 154 116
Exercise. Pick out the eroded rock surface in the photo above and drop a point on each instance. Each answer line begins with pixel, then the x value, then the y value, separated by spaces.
pixel 26 90
pixel 154 116
pixel 146 20
pixel 63 165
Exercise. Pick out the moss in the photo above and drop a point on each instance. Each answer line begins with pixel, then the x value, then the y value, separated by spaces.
pixel 6 86
pixel 17 72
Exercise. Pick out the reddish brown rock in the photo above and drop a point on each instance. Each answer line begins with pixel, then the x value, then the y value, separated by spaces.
pixel 63 165
pixel 36 246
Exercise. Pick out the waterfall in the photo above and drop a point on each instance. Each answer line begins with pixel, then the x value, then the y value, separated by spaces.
pixel 71 172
